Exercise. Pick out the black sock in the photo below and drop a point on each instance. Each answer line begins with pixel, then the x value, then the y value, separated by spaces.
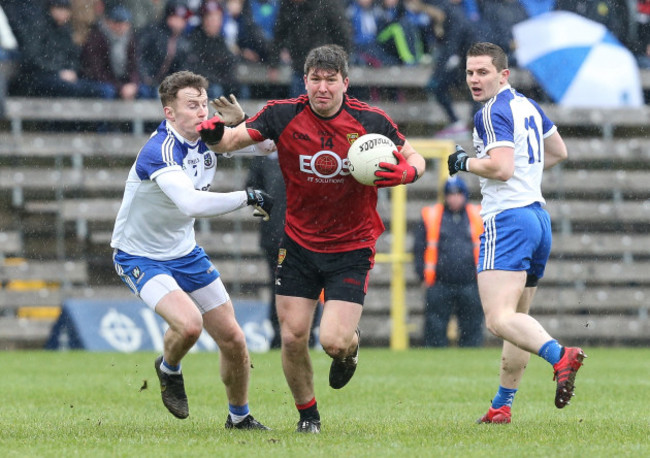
pixel 309 411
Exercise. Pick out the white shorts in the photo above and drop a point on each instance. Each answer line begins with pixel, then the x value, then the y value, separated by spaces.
pixel 206 298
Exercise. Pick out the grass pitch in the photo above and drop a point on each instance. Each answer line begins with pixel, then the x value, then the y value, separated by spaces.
pixel 417 403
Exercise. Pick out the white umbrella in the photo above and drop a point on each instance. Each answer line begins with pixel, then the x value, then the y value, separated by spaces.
pixel 577 61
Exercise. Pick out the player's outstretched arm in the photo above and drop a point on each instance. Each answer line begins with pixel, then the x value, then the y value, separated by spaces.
pixel 222 139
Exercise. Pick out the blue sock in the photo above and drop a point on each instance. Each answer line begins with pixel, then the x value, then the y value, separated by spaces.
pixel 238 413
pixel 504 397
pixel 551 351
pixel 171 369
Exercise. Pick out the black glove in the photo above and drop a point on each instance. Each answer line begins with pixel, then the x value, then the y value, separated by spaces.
pixel 211 130
pixel 261 201
pixel 457 162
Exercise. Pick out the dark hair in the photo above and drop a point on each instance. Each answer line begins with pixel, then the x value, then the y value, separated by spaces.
pixel 499 57
pixel 328 57
pixel 173 83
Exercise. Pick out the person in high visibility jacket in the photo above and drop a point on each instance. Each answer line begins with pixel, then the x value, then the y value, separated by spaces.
pixel 446 248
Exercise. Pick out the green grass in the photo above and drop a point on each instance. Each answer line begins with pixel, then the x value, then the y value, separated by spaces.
pixel 417 403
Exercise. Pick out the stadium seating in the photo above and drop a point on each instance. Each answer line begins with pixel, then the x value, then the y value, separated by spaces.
pixel 60 190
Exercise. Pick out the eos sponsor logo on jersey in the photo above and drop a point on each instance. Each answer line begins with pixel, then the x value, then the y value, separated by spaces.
pixel 324 164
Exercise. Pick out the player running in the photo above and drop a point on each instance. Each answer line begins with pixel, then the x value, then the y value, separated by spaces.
pixel 332 223
pixel 156 255
pixel 515 142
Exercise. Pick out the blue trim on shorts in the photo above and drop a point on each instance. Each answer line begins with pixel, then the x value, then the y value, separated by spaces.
pixel 517 239
pixel 192 271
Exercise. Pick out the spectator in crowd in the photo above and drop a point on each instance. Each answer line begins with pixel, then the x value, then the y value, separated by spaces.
pixel 514 142
pixel 144 12
pixel 265 174
pixel 163 47
pixel 642 48
pixel 245 38
pixel 613 14
pixel 536 7
pixel 445 250
pixel 243 35
pixel 306 24
pixel 209 55
pixel 265 13
pixel 454 33
pixel 50 59
pixel 109 56
pixel 8 57
pixel 332 222
pixel 402 28
pixel 365 19
pixel 157 257
pixel 498 17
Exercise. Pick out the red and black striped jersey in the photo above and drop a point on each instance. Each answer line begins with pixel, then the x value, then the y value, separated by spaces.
pixel 327 209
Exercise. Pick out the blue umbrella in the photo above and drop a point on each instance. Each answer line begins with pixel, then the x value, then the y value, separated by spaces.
pixel 578 61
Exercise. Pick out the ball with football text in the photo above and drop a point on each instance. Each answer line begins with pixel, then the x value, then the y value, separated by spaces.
pixel 366 153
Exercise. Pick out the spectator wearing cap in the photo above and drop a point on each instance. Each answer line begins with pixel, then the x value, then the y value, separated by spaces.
pixel 164 47
pixel 109 57
pixel 209 55
pixel 50 59
pixel 445 250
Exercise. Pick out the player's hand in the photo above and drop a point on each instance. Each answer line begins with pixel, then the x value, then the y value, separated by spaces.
pixel 457 161
pixel 230 111
pixel 395 174
pixel 211 130
pixel 261 201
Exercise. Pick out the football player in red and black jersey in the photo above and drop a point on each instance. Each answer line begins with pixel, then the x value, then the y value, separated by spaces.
pixel 332 223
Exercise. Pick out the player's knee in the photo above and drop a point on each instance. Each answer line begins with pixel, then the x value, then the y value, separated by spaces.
pixel 334 346
pixel 191 330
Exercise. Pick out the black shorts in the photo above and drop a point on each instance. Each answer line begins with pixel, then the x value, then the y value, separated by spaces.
pixel 304 273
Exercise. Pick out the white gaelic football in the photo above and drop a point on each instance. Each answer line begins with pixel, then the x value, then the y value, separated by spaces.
pixel 366 153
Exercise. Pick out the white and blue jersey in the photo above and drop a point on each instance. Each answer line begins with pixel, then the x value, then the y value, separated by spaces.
pixel 517 234
pixel 512 120
pixel 148 223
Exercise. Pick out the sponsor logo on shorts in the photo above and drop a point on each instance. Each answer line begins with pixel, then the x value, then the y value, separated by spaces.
pixel 136 272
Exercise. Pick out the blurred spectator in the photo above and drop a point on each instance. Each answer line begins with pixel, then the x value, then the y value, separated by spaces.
pixel 537 7
pixel 306 24
pixel 50 59
pixel 144 12
pixel 642 49
pixel 265 174
pixel 445 253
pixel 8 56
pixel 85 14
pixel 613 14
pixel 109 54
pixel 243 35
pixel 499 16
pixel 24 17
pixel 209 55
pixel 401 34
pixel 163 47
pixel 265 13
pixel 366 18
pixel 454 34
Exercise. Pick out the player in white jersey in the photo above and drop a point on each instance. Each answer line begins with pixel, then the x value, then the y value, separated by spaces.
pixel 514 142
pixel 156 255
